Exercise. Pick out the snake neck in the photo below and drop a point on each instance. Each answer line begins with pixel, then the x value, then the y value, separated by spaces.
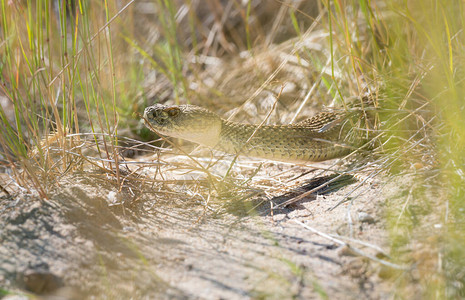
pixel 280 142
pixel 233 136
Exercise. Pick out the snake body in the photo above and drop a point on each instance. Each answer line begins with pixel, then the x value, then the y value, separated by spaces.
pixel 324 136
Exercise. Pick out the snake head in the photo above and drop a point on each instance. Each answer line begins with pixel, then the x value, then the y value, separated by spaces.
pixel 188 122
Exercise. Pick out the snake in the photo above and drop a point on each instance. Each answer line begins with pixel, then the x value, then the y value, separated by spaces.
pixel 325 136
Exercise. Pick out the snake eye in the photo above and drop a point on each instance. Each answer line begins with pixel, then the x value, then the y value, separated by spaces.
pixel 172 111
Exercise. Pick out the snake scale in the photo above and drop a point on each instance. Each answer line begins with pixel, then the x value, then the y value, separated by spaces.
pixel 325 136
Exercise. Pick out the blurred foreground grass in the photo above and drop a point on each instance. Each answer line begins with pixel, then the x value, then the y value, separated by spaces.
pixel 74 67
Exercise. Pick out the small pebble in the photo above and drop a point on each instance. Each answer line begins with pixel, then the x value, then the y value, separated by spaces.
pixel 346 251
pixel 128 229
pixel 365 218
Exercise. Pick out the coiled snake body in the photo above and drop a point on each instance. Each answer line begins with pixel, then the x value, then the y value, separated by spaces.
pixel 324 136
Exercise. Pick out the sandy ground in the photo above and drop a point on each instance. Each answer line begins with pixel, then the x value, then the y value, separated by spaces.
pixel 170 240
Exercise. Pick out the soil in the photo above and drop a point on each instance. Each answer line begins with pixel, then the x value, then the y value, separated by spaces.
pixel 88 240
